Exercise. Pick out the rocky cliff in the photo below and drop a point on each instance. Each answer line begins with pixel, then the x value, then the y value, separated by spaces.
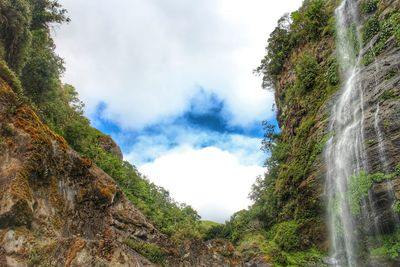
pixel 302 66
pixel 59 209
pixel 380 82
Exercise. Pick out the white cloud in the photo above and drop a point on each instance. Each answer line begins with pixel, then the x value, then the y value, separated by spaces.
pixel 212 180
pixel 145 59
pixel 152 146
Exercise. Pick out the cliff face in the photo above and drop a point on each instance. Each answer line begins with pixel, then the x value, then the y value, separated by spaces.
pixel 59 209
pixel 306 87
pixel 380 81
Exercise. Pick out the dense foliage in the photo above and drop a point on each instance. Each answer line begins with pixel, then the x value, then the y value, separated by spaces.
pixel 382 30
pixel 29 63
pixel 307 24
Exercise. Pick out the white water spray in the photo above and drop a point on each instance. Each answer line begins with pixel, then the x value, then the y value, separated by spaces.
pixel 344 153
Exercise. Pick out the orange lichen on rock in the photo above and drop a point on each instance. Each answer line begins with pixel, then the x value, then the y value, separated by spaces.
pixel 19 188
pixel 77 246
pixel 105 190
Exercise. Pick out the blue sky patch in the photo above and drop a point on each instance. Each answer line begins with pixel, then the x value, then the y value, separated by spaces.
pixel 205 123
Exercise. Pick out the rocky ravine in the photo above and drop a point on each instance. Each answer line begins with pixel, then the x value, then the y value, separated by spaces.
pixel 59 209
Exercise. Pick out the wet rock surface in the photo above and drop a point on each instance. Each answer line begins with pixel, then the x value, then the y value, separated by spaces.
pixel 59 209
pixel 381 87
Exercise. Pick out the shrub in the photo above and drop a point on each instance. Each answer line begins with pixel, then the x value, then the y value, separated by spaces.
pixel 306 70
pixel 6 129
pixel 287 236
pixel 149 250
pixel 15 18
pixel 359 184
pixel 278 49
pixel 390 74
pixel 387 246
pixel 332 73
pixel 370 29
pixel 395 21
pixel 368 57
pixel 389 94
pixel 368 6
pixel 396 206
pixel 9 77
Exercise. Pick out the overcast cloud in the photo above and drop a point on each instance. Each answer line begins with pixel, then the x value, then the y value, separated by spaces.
pixel 145 61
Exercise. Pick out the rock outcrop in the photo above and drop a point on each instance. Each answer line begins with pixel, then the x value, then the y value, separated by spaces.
pixel 59 209
pixel 108 144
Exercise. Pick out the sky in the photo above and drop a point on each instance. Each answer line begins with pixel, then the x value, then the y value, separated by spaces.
pixel 172 82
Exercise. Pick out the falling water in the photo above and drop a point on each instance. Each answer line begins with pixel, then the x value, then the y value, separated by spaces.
pixel 344 152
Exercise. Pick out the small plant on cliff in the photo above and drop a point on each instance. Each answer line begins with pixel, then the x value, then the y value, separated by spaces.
pixel 332 73
pixel 368 6
pixel 396 206
pixel 395 20
pixel 389 94
pixel 307 70
pixel 360 183
pixel 391 73
pixel 6 129
pixel 371 28
pixel 388 27
pixel 149 250
pixel 286 235
pixel 387 246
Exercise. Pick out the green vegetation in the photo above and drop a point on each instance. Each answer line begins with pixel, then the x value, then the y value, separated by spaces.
pixel 150 251
pixel 368 6
pixel 360 183
pixel 387 246
pixel 6 129
pixel 396 206
pixel 370 29
pixel 387 28
pixel 294 30
pixel 389 94
pixel 307 70
pixel 259 244
pixel 29 64
pixel 206 226
pixel 391 73
pixel 286 235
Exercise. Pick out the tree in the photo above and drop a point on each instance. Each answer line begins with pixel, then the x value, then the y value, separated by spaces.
pixel 15 37
pixel 45 12
pixel 278 49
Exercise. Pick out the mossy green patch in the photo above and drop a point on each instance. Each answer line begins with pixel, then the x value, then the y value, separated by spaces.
pixel 286 235
pixel 387 28
pixel 389 94
pixel 368 6
pixel 359 184
pixel 386 246
pixel 149 250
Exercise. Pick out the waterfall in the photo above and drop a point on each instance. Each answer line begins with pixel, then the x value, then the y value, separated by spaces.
pixel 344 153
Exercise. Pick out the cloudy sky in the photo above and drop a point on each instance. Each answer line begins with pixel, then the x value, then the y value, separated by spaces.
pixel 172 82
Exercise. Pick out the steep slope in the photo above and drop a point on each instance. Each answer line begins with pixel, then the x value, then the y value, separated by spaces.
pixel 59 209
